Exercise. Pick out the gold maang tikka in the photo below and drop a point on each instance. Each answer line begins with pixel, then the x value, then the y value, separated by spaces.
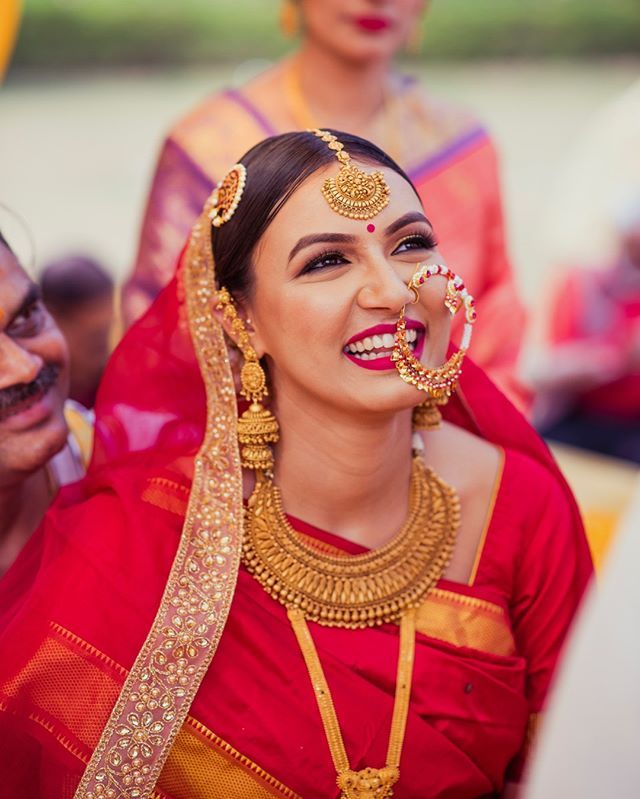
pixel 257 426
pixel 352 192
pixel 438 383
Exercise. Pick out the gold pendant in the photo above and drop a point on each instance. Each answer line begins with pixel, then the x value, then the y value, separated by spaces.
pixel 368 783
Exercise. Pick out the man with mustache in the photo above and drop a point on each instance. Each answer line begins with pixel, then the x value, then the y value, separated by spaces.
pixel 37 452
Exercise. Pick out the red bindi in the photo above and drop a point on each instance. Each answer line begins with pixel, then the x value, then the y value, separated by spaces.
pixel 371 227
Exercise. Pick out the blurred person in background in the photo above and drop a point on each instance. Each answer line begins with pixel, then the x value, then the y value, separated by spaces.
pixel 588 375
pixel 78 293
pixel 38 453
pixel 342 74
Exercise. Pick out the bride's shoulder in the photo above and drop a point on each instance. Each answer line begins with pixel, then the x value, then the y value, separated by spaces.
pixel 461 458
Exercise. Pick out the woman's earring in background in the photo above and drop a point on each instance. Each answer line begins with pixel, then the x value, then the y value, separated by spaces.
pixel 415 40
pixel 289 18
pixel 257 427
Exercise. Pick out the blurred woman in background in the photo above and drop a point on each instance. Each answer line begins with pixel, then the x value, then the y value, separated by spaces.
pixel 342 74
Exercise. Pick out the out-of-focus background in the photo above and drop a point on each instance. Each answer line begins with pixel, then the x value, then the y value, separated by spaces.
pixel 93 86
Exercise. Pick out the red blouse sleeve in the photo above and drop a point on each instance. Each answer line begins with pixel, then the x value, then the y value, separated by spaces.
pixel 553 567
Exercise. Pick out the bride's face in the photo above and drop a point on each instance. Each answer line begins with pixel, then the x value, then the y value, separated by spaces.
pixel 327 294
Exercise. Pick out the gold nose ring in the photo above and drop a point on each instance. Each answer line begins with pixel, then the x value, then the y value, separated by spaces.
pixel 414 291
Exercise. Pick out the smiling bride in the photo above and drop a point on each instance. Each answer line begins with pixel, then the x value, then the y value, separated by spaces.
pixel 317 552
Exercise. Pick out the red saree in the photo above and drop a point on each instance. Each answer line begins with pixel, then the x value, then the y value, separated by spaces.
pixel 455 173
pixel 78 603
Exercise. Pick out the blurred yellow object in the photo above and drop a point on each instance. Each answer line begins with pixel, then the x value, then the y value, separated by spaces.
pixel 10 12
pixel 603 488
pixel 600 526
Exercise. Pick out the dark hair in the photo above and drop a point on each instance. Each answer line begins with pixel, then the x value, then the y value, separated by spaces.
pixel 276 167
pixel 5 243
pixel 72 281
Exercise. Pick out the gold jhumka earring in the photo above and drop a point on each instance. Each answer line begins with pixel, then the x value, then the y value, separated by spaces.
pixel 257 426
pixel 439 383
pixel 289 18
pixel 415 39
pixel 426 416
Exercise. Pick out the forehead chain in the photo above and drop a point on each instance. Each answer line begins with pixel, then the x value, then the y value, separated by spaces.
pixel 352 192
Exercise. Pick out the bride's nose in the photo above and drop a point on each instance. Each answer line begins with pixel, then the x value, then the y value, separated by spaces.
pixel 384 288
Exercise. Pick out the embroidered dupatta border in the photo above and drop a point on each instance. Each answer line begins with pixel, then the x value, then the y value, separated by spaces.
pixel 157 694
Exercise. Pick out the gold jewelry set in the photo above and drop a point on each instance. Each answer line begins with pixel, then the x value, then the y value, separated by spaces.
pixel 381 586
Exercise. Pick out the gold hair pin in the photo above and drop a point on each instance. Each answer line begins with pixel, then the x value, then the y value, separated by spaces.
pixel 352 193
pixel 226 196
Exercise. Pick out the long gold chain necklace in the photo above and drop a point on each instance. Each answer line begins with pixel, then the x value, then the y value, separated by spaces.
pixel 376 587
pixel 304 117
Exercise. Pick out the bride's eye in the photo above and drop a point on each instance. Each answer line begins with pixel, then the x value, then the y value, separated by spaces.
pixel 416 241
pixel 325 260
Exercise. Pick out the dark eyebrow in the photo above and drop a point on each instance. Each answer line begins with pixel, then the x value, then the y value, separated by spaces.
pixel 407 219
pixel 317 238
pixel 30 296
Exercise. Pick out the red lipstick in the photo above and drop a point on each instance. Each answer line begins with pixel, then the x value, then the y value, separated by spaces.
pixel 372 24
pixel 381 360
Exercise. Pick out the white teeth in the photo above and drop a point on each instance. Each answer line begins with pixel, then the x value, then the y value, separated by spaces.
pixel 364 348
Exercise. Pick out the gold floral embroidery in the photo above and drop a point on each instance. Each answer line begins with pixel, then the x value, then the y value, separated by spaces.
pixel 158 692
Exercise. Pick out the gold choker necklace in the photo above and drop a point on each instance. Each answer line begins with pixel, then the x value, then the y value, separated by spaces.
pixel 360 590
pixel 383 585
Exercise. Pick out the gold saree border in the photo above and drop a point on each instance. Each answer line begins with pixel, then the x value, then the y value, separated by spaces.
pixel 465 621
pixel 159 690
pixel 200 763
pixel 166 494
pixel 47 725
pixel 204 765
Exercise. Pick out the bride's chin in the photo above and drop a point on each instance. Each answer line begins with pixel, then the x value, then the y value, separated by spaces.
pixel 397 399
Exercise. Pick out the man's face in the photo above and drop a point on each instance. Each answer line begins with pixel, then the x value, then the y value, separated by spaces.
pixel 33 376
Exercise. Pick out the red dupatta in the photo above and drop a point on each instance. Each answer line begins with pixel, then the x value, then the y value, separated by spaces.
pixel 104 596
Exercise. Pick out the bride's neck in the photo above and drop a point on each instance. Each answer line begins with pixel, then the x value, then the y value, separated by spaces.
pixel 344 475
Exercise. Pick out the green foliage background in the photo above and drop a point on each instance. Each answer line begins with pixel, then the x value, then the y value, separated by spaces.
pixel 74 33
